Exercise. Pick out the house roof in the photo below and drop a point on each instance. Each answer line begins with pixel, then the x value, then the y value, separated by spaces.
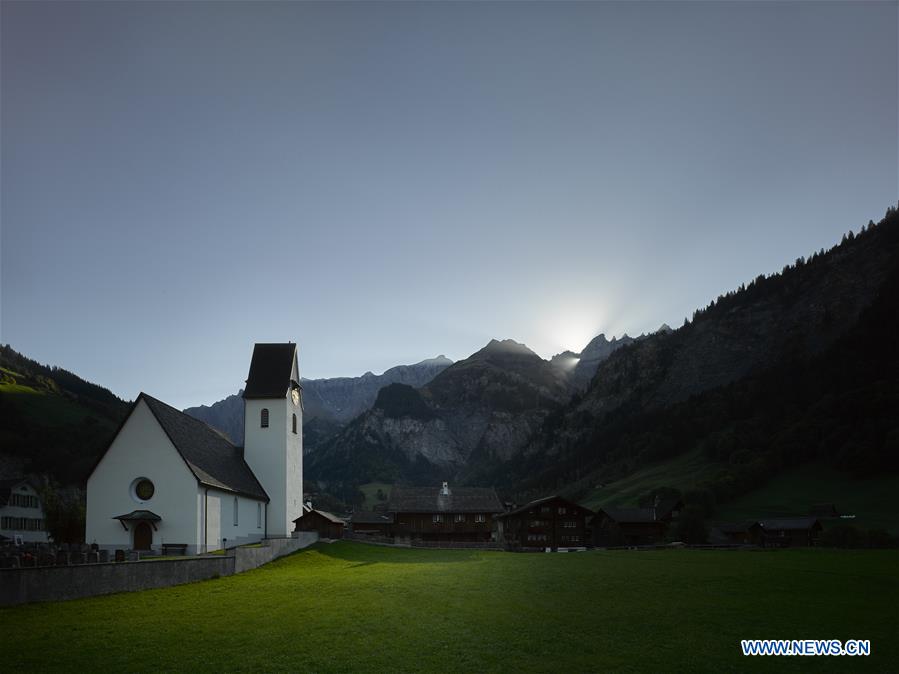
pixel 6 487
pixel 631 515
pixel 789 523
pixel 324 513
pixel 735 527
pixel 270 371
pixel 430 500
pixel 539 501
pixel 211 457
pixel 371 517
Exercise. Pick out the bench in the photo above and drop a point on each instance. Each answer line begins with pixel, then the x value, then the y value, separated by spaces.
pixel 180 548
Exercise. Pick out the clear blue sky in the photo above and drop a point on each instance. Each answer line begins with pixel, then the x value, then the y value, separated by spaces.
pixel 386 182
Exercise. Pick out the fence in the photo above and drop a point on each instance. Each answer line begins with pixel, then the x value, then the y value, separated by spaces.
pixel 416 543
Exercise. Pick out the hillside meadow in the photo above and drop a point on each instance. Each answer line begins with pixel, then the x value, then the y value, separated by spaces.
pixel 353 607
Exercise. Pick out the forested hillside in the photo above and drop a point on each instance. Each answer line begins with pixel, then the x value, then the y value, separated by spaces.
pixel 797 367
pixel 51 420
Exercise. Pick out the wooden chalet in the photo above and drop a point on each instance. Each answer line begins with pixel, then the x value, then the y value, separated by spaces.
pixel 551 522
pixel 791 531
pixel 737 533
pixel 444 514
pixel 635 526
pixel 326 524
pixel 371 523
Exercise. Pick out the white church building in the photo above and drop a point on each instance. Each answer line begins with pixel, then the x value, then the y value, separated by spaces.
pixel 169 479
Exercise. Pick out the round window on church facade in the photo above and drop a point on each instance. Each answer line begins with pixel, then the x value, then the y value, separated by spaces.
pixel 142 489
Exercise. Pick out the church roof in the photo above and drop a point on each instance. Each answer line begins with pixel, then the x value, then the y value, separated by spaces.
pixel 270 371
pixel 210 456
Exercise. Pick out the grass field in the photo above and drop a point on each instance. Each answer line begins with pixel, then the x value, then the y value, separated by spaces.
pixel 370 491
pixel 871 500
pixel 40 405
pixel 684 472
pixel 352 607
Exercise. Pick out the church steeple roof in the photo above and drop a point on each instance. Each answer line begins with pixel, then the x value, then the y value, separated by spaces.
pixel 270 371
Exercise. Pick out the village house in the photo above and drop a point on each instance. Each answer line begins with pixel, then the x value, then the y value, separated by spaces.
pixel 547 523
pixel 370 523
pixel 326 524
pixel 737 533
pixel 21 513
pixel 791 531
pixel 168 480
pixel 444 514
pixel 635 526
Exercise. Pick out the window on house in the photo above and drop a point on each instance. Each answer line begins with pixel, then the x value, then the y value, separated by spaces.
pixel 437 519
pixel 23 501
pixel 294 424
pixel 460 518
pixel 235 511
pixel 545 510
pixel 258 515
pixel 563 511
pixel 480 519
pixel 263 418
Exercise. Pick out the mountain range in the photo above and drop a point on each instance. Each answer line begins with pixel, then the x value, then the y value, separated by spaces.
pixel 794 367
pixel 328 404
pixel 506 417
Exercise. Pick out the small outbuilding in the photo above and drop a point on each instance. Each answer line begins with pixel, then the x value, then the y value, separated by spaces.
pixel 791 531
pixel 628 526
pixel 326 524
pixel 737 533
pixel 371 523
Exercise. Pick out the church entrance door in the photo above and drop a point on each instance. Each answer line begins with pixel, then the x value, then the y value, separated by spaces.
pixel 143 536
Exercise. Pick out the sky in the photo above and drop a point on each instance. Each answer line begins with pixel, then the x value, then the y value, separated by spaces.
pixel 385 182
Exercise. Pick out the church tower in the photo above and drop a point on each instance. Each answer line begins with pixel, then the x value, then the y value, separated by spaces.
pixel 273 432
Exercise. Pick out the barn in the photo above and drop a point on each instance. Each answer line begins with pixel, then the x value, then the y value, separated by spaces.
pixel 326 524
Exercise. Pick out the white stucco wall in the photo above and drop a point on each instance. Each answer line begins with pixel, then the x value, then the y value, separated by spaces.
pixel 248 529
pixel 142 449
pixel 18 512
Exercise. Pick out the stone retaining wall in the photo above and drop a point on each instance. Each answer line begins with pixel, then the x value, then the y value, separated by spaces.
pixel 56 583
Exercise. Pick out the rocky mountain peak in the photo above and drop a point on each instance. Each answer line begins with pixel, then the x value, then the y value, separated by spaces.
pixel 506 347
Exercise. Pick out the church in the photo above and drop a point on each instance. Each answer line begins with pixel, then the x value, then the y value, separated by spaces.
pixel 169 481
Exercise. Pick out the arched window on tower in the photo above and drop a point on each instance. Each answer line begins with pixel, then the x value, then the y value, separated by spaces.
pixel 294 424
pixel 263 418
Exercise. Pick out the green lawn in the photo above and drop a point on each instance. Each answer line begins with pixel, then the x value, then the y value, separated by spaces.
pixel 352 607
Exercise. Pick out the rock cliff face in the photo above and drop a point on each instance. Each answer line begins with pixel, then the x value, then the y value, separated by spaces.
pixel 328 402
pixel 480 410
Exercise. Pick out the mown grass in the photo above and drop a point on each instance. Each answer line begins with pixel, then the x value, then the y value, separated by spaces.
pixel 352 607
